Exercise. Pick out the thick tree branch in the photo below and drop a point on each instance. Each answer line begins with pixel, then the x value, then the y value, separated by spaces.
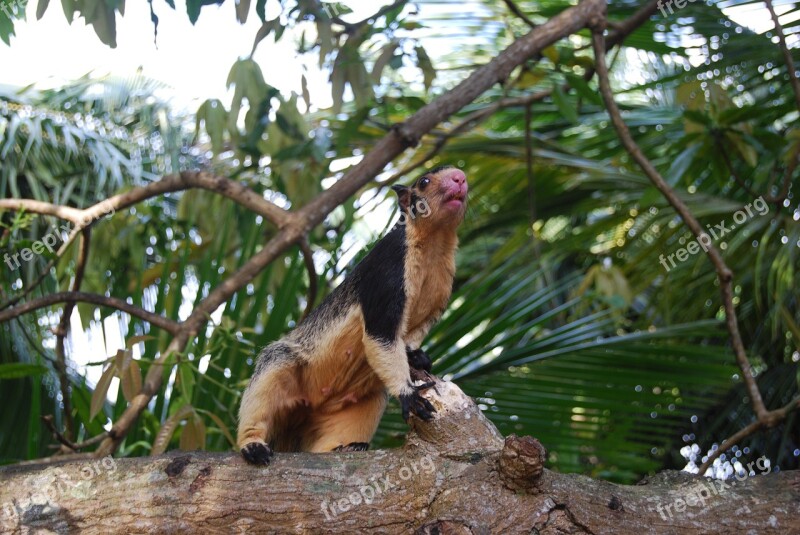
pixel 456 475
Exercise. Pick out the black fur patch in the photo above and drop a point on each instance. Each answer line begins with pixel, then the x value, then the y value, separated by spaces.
pixel 257 453
pixel 379 282
pixel 417 358
pixel 271 355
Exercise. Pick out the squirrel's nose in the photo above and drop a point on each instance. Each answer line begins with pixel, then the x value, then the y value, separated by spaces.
pixel 457 176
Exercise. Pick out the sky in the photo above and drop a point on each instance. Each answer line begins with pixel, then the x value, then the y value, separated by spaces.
pixel 193 60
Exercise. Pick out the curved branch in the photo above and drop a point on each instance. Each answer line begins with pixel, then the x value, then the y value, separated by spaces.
pixel 226 187
pixel 45 208
pixel 724 273
pixel 233 190
pixel 61 333
pixel 72 446
pixel 514 8
pixel 83 297
pixel 773 418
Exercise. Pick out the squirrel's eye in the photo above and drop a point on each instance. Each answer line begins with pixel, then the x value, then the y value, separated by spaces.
pixel 424 182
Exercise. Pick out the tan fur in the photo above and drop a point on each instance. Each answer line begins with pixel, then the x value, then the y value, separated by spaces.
pixel 337 394
pixel 432 253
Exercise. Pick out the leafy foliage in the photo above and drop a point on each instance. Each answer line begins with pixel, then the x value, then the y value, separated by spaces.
pixel 564 323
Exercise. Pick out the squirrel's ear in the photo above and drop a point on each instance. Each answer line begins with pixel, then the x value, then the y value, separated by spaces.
pixel 403 196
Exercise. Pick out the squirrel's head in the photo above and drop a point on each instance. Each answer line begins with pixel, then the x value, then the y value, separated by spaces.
pixel 439 197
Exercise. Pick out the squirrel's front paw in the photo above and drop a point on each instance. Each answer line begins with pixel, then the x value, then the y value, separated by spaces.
pixel 417 358
pixel 413 402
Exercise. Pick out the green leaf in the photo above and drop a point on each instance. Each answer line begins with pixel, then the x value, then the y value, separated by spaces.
pixel 18 370
pixel 193 8
pixel 213 115
pixel 186 381
pixel 41 7
pixel 426 66
pixel 387 53
pixel 242 10
pixel 583 89
pixel 104 23
pixel 566 108
pixel 681 164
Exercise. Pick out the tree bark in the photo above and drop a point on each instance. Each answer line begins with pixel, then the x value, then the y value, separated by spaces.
pixel 456 474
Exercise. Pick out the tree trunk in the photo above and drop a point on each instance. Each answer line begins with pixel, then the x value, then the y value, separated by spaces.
pixel 455 474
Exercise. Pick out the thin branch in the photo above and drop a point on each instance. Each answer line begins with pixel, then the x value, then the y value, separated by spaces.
pixel 730 442
pixel 82 297
pixel 787 56
pixel 61 333
pixel 514 8
pixel 73 446
pixel 231 189
pixel 308 259
pixel 45 208
pixel 775 417
pixel 794 160
pixel 724 273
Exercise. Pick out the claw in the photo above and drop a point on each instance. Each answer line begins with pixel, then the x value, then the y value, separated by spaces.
pixel 416 404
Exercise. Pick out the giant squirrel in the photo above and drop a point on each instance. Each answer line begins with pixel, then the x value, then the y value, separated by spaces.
pixel 322 387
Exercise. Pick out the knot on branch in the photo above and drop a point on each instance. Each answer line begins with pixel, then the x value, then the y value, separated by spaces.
pixel 598 20
pixel 521 463
pixel 408 138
